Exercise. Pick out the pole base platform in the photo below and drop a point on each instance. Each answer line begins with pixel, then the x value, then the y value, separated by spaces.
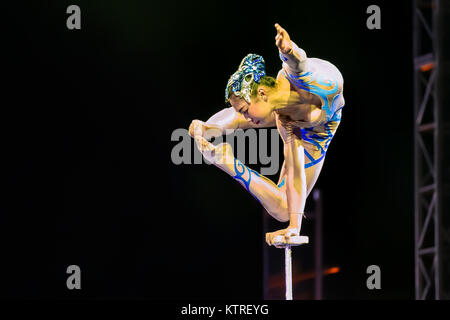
pixel 281 241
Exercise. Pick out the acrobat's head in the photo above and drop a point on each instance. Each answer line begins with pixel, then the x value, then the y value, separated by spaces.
pixel 249 88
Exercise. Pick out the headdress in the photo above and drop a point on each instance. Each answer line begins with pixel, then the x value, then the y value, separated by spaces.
pixel 252 68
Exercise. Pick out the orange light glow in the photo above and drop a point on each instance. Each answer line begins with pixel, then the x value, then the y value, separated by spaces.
pixel 427 66
pixel 278 279
pixel 331 270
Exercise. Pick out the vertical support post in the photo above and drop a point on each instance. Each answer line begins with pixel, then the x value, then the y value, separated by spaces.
pixel 281 242
pixel 288 271
pixel 427 150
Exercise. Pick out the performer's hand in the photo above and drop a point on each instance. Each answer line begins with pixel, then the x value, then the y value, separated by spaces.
pixel 282 40
pixel 288 232
pixel 204 129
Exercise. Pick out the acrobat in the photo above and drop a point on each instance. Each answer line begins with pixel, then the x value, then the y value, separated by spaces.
pixel 304 102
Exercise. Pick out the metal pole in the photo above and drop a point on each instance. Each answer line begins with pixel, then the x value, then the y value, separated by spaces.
pixel 427 179
pixel 288 272
pixel 281 242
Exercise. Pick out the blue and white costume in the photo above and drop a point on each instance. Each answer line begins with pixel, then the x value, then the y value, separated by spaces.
pixel 324 80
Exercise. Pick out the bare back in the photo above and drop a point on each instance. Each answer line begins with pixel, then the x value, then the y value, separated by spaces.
pixel 302 105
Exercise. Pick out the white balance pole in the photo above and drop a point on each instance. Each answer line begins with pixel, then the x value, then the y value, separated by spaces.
pixel 281 241
pixel 288 272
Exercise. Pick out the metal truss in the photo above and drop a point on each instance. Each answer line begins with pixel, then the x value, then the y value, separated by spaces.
pixel 427 151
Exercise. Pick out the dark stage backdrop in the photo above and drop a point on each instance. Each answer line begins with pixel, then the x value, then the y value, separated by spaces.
pixel 87 122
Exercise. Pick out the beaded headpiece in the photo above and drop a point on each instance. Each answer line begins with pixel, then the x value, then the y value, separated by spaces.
pixel 252 68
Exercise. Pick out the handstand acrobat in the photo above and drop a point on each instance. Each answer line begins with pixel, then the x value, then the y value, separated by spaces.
pixel 304 102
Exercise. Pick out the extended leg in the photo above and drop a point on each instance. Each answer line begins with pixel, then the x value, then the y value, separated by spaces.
pixel 261 187
pixel 312 174
pixel 271 196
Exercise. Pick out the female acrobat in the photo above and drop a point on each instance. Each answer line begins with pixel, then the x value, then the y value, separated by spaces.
pixel 304 102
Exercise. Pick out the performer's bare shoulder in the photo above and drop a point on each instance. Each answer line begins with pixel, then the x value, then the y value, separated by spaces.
pixel 302 105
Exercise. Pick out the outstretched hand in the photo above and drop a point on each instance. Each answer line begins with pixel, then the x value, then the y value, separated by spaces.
pixel 220 155
pixel 282 40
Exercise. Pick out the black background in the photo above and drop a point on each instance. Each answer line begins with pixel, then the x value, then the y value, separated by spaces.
pixel 87 120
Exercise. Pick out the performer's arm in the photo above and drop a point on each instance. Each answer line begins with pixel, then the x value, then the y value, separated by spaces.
pixel 295 181
pixel 295 60
pixel 229 118
pixel 226 118
pixel 293 57
pixel 294 156
pixel 225 121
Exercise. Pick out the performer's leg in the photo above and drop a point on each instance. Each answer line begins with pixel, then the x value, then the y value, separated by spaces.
pixel 271 197
pixel 315 150
pixel 312 174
